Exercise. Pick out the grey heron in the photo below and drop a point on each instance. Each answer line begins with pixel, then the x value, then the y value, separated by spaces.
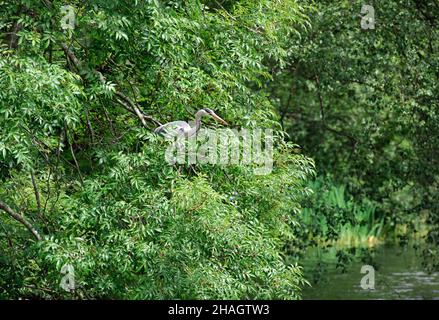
pixel 177 128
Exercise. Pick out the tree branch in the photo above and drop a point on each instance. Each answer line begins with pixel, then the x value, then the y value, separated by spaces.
pixel 124 100
pixel 21 219
pixel 36 191
pixel 352 140
pixel 319 95
pixel 73 154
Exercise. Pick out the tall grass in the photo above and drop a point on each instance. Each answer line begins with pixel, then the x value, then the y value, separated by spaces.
pixel 332 216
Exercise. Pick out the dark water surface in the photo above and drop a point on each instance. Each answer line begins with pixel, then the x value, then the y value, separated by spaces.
pixel 398 275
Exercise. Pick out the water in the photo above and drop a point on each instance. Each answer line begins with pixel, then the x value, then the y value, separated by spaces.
pixel 398 275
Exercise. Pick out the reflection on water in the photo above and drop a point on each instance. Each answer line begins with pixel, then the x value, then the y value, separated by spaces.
pixel 398 275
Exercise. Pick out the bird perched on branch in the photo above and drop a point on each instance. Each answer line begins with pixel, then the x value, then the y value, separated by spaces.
pixel 176 128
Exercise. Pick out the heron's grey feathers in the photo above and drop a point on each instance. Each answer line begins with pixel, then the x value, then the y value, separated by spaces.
pixel 182 128
pixel 173 128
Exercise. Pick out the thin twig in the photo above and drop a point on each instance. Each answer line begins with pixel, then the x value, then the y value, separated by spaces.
pixel 123 98
pixel 73 155
pixel 90 128
pixel 36 191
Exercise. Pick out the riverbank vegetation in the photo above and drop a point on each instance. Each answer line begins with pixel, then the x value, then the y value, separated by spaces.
pixel 363 103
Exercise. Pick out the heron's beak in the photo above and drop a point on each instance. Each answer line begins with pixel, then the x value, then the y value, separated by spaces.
pixel 217 118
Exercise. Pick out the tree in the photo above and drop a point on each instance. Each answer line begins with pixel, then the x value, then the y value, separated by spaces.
pixel 364 104
pixel 80 166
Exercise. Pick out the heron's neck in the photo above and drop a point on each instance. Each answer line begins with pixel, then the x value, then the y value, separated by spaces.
pixel 197 127
pixel 198 121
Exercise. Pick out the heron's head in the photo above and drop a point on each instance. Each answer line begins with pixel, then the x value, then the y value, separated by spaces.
pixel 210 112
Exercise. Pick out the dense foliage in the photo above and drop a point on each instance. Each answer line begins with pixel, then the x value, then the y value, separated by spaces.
pixel 364 104
pixel 84 182
pixel 87 179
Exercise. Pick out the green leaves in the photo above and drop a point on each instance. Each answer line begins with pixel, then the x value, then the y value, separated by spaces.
pixel 36 101
pixel 130 224
pixel 362 103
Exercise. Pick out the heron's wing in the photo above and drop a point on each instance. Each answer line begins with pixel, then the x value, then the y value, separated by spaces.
pixel 173 128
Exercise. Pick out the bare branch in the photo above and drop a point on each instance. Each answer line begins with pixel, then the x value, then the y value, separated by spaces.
pixel 325 126
pixel 73 155
pixel 21 219
pixel 36 191
pixel 90 128
pixel 124 100
pixel 133 106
